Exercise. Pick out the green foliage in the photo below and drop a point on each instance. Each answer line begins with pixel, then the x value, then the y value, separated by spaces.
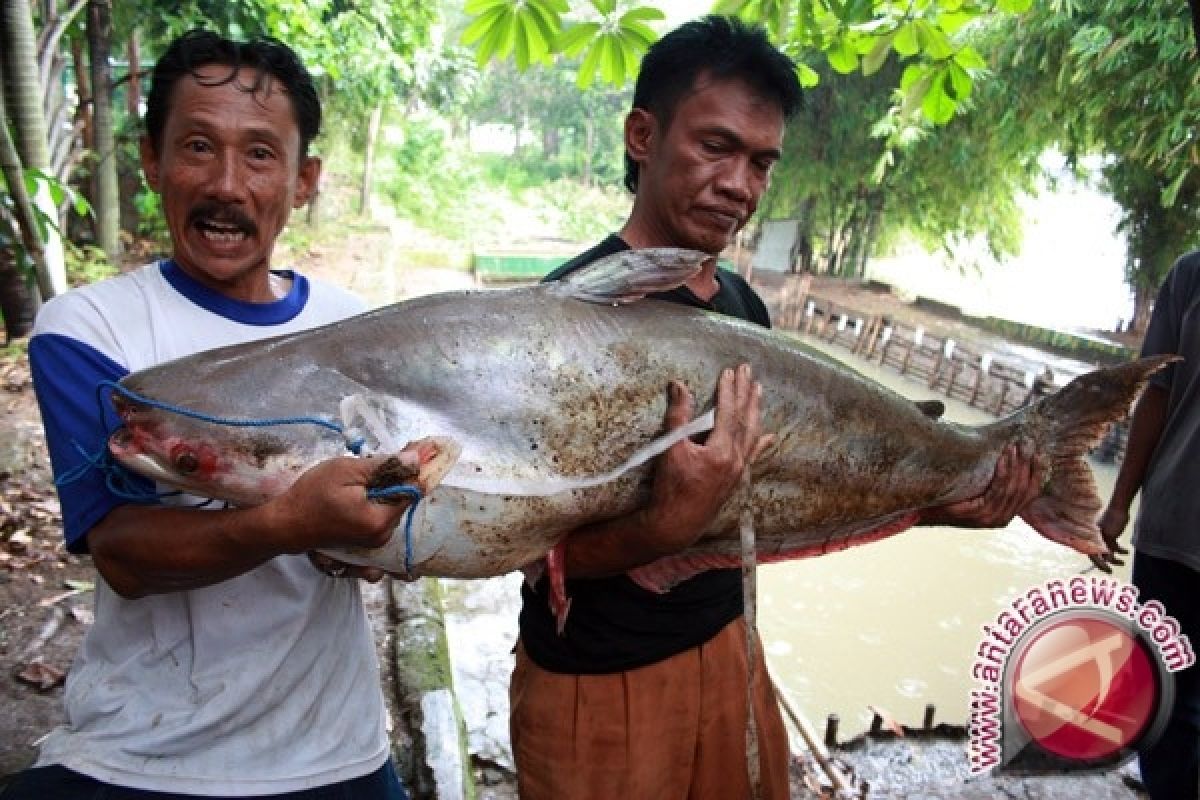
pixel 431 179
pixel 580 130
pixel 1118 77
pixel 940 185
pixel 610 36
pixel 609 44
pixel 152 223
pixel 87 264
pixel 35 180
pixel 582 214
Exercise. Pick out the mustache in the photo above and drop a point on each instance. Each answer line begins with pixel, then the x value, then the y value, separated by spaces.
pixel 224 214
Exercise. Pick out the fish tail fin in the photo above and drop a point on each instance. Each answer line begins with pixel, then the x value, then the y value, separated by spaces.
pixel 1064 427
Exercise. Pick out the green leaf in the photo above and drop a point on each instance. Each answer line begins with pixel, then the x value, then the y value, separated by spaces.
pixel 508 38
pixel 842 57
pixel 906 43
pixel 1169 193
pixel 953 21
pixel 639 32
pixel 861 43
pixel 807 76
pixel 587 69
pixel 968 58
pixel 937 106
pixel 642 14
pixel 497 41
pixel 878 55
pixel 476 7
pixel 912 73
pixel 483 25
pixel 572 40
pixel 547 20
pixel 632 50
pixel 81 205
pixel 934 42
pixel 960 82
pixel 605 7
pixel 613 65
pixel 521 43
pixel 731 7
pixel 1014 6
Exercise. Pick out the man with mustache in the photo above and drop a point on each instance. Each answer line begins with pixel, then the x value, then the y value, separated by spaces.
pixel 644 695
pixel 223 661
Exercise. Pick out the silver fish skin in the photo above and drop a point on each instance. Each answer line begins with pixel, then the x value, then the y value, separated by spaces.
pixel 552 397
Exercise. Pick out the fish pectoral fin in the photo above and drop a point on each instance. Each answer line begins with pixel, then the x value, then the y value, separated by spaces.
pixel 438 454
pixel 630 275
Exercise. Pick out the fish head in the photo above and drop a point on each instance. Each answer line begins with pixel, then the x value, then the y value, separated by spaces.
pixel 242 465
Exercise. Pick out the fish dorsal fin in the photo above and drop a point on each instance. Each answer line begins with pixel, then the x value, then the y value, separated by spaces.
pixel 630 275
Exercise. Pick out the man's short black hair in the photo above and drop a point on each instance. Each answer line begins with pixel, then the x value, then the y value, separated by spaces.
pixel 272 59
pixel 717 46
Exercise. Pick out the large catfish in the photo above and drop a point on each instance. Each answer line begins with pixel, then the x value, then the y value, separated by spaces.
pixel 547 403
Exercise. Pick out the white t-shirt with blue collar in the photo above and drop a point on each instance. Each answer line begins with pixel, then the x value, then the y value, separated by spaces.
pixel 261 684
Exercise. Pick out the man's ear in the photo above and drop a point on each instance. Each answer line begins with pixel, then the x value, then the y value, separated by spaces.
pixel 149 161
pixel 641 128
pixel 308 180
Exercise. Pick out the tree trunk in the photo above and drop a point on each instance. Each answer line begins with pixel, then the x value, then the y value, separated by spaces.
pixel 550 143
pixel 364 196
pixel 589 145
pixel 83 89
pixel 18 300
pixel 802 251
pixel 23 100
pixel 106 200
pixel 133 92
pixel 875 204
pixel 1143 302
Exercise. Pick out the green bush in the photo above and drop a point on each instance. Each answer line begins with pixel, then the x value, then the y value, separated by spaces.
pixel 432 183
pixel 86 264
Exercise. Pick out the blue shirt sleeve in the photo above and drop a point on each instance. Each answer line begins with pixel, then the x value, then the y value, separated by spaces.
pixel 67 377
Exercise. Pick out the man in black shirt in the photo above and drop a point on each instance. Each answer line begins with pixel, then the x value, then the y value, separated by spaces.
pixel 643 696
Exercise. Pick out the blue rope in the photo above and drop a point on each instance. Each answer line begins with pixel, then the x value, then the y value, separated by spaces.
pixel 414 493
pixel 120 481
pixel 353 445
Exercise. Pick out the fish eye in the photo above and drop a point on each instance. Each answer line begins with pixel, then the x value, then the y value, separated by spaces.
pixel 186 462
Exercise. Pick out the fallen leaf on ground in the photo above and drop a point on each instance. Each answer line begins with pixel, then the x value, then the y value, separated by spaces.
pixel 42 676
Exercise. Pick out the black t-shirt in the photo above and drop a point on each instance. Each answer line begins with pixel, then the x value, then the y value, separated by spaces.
pixel 614 624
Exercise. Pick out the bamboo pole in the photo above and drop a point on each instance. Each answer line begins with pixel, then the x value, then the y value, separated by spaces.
pixel 841 784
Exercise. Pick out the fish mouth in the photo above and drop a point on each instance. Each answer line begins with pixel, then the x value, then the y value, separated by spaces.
pixel 123 447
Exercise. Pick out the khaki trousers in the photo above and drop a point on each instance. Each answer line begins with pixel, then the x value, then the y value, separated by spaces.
pixel 675 730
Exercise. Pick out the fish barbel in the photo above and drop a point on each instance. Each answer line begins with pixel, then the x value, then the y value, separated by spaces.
pixel 546 406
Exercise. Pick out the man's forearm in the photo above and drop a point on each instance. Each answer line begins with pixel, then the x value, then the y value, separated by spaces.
pixel 150 550
pixel 611 547
pixel 1145 429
